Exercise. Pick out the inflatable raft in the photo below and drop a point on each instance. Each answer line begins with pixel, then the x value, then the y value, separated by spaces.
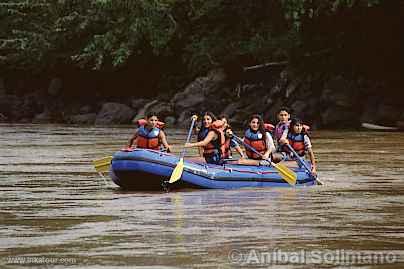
pixel 144 169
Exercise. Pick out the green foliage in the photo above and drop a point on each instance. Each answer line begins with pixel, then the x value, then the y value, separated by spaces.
pixel 224 30
pixel 92 33
pixel 296 10
pixel 125 28
pixel 23 45
pixel 107 34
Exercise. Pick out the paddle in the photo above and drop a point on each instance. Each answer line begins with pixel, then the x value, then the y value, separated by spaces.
pixel 288 175
pixel 177 172
pixel 303 163
pixel 103 164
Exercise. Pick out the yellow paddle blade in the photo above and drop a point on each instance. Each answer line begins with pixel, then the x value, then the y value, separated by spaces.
pixel 103 164
pixel 288 175
pixel 177 172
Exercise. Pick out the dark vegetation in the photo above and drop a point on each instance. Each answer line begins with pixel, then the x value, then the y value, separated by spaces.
pixel 117 49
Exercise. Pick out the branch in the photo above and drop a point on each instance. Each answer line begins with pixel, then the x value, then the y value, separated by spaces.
pixel 283 63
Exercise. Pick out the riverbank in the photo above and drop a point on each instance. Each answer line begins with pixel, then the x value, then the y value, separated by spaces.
pixel 323 101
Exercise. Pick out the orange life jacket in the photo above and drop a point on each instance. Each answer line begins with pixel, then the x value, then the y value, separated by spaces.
pixel 148 139
pixel 218 145
pixel 257 141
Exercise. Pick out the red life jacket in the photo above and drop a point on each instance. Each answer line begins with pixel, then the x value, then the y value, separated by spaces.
pixel 148 139
pixel 268 127
pixel 257 141
pixel 296 141
pixel 218 145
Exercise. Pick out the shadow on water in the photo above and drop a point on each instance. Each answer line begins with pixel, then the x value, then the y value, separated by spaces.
pixel 53 205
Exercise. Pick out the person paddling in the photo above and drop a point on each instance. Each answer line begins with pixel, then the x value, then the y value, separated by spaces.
pixel 297 137
pixel 203 130
pixel 212 143
pixel 150 135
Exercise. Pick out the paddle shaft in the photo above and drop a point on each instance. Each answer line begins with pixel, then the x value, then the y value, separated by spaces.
pixel 188 137
pixel 177 172
pixel 303 163
pixel 298 158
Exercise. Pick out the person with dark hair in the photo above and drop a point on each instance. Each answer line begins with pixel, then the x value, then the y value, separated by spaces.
pixel 213 142
pixel 207 119
pixel 150 135
pixel 229 142
pixel 283 124
pixel 299 140
pixel 258 138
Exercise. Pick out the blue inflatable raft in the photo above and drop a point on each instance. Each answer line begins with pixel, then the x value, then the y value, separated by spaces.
pixel 143 169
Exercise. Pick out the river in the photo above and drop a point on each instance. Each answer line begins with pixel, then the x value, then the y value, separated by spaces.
pixel 55 211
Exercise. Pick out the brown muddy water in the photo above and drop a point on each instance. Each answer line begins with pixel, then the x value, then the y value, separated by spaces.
pixel 56 212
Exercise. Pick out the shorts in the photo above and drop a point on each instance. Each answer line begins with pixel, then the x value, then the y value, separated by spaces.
pixel 214 158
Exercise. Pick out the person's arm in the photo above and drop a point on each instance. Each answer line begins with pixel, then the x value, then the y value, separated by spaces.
pixel 309 149
pixel 236 146
pixel 270 146
pixel 284 139
pixel 200 151
pixel 211 136
pixel 132 139
pixel 163 139
pixel 270 142
pixel 313 161
pixel 239 151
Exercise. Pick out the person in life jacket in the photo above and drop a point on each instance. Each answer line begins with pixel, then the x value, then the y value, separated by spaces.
pixel 283 124
pixel 149 135
pixel 230 142
pixel 258 138
pixel 299 140
pixel 202 131
pixel 213 143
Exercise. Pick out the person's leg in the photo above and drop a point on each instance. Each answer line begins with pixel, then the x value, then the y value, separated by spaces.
pixel 214 158
pixel 277 157
pixel 248 162
pixel 288 160
pixel 196 159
